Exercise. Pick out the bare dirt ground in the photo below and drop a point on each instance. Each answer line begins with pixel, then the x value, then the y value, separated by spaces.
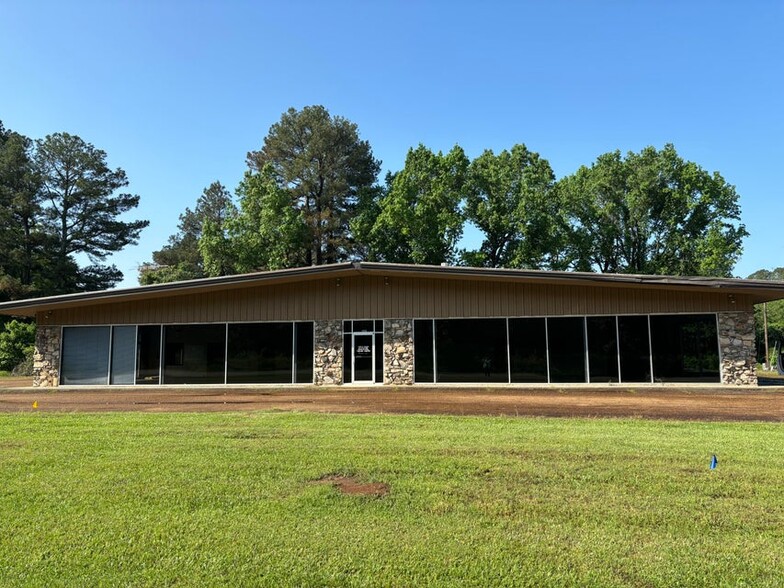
pixel 656 402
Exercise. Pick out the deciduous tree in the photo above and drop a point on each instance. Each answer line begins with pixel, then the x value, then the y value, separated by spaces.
pixel 510 198
pixel 775 312
pixel 419 218
pixel 652 213
pixel 268 232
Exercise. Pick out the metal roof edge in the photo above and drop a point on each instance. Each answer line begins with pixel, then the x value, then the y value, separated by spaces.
pixel 369 268
pixel 181 286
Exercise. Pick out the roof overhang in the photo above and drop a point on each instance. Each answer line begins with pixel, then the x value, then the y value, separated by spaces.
pixel 758 290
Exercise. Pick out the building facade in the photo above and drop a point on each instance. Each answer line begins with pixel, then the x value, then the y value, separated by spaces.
pixel 393 324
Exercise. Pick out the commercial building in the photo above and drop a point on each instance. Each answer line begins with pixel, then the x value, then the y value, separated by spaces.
pixel 395 324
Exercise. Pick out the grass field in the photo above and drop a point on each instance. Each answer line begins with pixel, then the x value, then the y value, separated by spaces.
pixel 229 499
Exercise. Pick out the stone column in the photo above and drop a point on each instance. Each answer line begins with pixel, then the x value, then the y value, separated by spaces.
pixel 46 357
pixel 738 354
pixel 328 362
pixel 399 351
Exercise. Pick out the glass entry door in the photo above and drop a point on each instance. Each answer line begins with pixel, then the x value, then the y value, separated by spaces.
pixel 363 367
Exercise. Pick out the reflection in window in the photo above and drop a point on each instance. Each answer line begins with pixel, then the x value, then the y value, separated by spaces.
pixel 685 348
pixel 635 351
pixel 471 350
pixel 566 345
pixel 85 356
pixel 528 350
pixel 148 354
pixel 260 353
pixel 602 349
pixel 194 354
pixel 423 351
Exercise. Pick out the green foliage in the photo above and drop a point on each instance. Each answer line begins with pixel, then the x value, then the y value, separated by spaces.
pixel 17 343
pixel 311 198
pixel 216 250
pixel 323 165
pixel 419 218
pixel 58 200
pixel 510 198
pixel 181 258
pixel 21 238
pixel 230 500
pixel 775 311
pixel 82 211
pixel 652 213
pixel 161 274
pixel 268 232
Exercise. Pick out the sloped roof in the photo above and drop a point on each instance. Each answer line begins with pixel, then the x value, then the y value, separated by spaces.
pixel 758 290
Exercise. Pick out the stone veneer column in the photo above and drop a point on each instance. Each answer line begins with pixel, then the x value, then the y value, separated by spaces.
pixel 328 361
pixel 738 356
pixel 399 351
pixel 46 357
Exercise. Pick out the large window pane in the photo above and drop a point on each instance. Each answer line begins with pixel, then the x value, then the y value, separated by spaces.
pixel 635 351
pixel 260 353
pixel 602 349
pixel 379 379
pixel 123 355
pixel 685 348
pixel 423 351
pixel 566 345
pixel 528 350
pixel 348 356
pixel 471 350
pixel 148 354
pixel 85 357
pixel 304 352
pixel 194 354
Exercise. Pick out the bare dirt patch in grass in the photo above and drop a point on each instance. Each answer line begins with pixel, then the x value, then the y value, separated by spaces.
pixel 353 486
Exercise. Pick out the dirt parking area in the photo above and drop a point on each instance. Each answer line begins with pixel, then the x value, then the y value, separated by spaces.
pixel 660 402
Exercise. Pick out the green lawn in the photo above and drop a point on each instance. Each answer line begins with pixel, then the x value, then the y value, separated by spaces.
pixel 228 500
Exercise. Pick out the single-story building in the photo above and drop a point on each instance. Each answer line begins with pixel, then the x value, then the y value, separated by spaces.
pixel 384 323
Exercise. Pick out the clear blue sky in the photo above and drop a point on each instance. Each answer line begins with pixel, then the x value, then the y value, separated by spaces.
pixel 177 92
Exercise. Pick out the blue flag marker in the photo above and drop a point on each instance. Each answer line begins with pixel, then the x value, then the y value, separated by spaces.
pixel 714 462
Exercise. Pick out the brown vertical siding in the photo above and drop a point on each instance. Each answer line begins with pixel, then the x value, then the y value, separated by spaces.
pixel 369 297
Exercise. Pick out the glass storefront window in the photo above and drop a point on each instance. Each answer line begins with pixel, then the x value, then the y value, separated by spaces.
pixel 123 355
pixel 528 350
pixel 423 352
pixel 85 356
pixel 635 349
pixel 148 354
pixel 685 348
pixel 303 358
pixel 566 348
pixel 602 349
pixel 194 354
pixel 471 350
pixel 260 353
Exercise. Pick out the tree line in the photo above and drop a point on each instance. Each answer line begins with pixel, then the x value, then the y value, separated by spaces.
pixel 59 201
pixel 311 195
